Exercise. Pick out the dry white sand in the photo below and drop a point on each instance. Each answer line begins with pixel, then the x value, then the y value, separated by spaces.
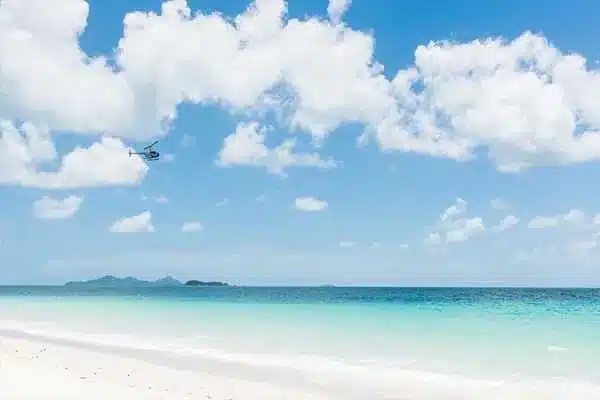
pixel 31 369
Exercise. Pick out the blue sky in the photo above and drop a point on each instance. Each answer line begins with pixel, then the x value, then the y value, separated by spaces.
pixel 384 197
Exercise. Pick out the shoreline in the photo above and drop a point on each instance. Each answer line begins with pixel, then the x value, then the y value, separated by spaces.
pixel 38 367
pixel 42 369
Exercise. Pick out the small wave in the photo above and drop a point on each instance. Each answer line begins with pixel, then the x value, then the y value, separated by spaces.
pixel 557 349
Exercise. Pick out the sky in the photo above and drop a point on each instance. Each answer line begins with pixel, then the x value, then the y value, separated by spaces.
pixel 302 142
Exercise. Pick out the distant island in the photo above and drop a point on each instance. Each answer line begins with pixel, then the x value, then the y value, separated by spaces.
pixel 200 283
pixel 113 281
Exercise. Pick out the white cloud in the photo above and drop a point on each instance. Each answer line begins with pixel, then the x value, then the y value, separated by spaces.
pixel 46 77
pixel 192 226
pixel 310 204
pixel 574 217
pixel 463 229
pixel 346 243
pixel 507 222
pixel 137 223
pixel 26 149
pixel 454 210
pixel 337 8
pixel 454 226
pixel 106 162
pixel 262 198
pixel 246 147
pixel 49 208
pixel 375 245
pixel 404 246
pixel 523 102
pixel 542 222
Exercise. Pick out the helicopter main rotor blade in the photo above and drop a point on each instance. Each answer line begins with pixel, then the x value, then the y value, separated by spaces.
pixel 150 145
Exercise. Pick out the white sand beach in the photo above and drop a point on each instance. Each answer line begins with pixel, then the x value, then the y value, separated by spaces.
pixel 31 369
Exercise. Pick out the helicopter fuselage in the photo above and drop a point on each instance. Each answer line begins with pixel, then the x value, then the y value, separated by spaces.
pixel 151 155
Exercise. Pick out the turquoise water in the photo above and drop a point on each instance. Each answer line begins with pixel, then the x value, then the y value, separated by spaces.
pixel 531 338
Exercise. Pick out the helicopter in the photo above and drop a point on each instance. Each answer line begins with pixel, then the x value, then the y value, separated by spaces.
pixel 148 153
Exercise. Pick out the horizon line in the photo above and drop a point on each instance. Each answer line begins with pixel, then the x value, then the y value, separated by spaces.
pixel 349 286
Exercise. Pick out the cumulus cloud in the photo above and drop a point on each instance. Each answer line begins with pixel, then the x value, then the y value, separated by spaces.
pixel 137 223
pixel 574 217
pixel 463 229
pixel 310 204
pixel 246 146
pixel 49 208
pixel 337 8
pixel 507 222
pixel 454 226
pixel 542 222
pixel 522 102
pixel 26 149
pixel 45 75
pixel 192 226
pixel 576 234
pixel 106 162
pixel 454 210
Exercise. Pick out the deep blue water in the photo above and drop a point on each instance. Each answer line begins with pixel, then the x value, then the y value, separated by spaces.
pixel 324 294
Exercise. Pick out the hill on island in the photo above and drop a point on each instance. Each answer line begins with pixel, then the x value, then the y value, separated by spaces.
pixel 113 281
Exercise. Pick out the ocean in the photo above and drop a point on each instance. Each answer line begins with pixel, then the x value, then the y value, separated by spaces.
pixel 353 343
